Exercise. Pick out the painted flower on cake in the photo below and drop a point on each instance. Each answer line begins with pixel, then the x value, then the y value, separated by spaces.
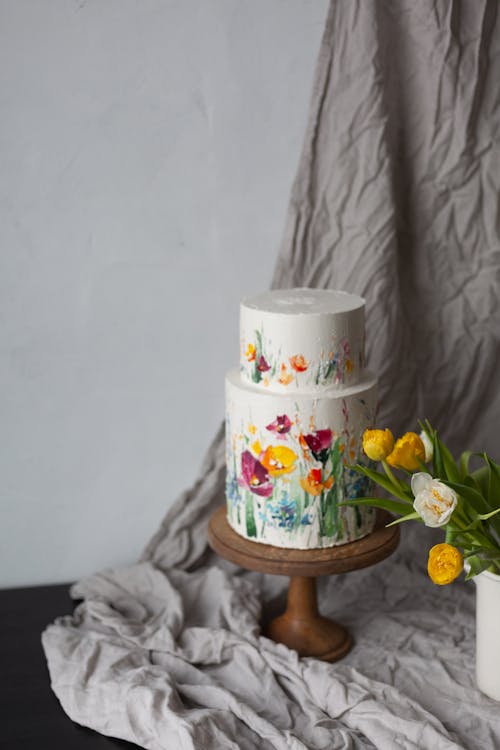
pixel 299 363
pixel 285 377
pixel 278 460
pixel 262 365
pixel 254 476
pixel 283 513
pixel 445 563
pixel 319 443
pixel 313 483
pixel 250 353
pixel 434 501
pixel 408 452
pixel 281 425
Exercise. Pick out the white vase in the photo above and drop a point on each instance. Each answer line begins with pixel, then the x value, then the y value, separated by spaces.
pixel 488 634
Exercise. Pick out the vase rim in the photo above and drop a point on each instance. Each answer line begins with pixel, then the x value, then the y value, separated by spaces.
pixel 489 574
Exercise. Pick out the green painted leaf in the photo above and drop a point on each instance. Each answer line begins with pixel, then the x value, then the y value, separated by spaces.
pixel 250 518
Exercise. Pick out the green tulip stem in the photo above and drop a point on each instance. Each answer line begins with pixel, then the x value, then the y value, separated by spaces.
pixel 390 474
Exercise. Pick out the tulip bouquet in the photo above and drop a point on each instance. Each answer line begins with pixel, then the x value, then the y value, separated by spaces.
pixel 439 492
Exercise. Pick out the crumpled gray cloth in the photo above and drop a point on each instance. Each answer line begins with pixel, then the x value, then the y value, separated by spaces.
pixel 396 198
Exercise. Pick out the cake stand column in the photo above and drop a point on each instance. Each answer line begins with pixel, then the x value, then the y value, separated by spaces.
pixel 302 628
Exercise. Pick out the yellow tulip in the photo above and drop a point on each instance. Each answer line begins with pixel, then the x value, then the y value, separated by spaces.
pixel 445 563
pixel 408 453
pixel 378 444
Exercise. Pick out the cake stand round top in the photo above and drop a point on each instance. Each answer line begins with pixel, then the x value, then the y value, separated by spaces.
pixel 265 558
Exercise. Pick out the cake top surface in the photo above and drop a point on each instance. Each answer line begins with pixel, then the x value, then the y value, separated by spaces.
pixel 304 301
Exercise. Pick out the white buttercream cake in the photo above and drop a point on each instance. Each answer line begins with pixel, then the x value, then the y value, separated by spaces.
pixel 295 415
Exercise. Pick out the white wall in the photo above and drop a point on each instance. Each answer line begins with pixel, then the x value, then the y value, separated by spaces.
pixel 147 149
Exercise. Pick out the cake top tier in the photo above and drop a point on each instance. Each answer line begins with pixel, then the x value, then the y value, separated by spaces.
pixel 302 339
pixel 303 301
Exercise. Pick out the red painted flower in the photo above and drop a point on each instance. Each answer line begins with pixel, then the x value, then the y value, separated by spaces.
pixel 254 476
pixel 313 483
pixel 281 425
pixel 262 365
pixel 319 443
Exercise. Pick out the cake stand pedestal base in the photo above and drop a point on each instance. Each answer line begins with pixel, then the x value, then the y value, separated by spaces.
pixel 302 627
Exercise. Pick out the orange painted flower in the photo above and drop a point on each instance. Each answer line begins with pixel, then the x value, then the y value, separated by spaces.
pixel 250 353
pixel 313 483
pixel 278 460
pixel 299 363
pixel 348 365
pixel 285 377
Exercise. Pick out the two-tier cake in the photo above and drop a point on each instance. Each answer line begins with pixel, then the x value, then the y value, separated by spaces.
pixel 295 414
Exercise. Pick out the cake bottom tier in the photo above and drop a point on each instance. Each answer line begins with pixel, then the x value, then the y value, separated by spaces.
pixel 288 460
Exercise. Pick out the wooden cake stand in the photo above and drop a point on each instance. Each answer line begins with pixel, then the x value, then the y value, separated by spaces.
pixel 301 627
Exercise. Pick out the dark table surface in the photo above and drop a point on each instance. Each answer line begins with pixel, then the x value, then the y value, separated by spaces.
pixel 30 714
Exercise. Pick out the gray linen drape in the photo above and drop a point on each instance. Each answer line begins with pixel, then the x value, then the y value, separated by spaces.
pixel 396 198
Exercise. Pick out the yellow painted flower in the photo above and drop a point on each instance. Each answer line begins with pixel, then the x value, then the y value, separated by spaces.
pixel 252 429
pixel 250 353
pixel 278 460
pixel 256 448
pixel 445 563
pixel 285 377
pixel 348 365
pixel 378 444
pixel 408 452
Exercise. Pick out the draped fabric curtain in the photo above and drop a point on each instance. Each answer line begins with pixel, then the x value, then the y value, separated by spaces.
pixel 396 198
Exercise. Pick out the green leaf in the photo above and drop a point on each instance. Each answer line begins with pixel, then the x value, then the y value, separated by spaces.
pixel 463 464
pixel 385 482
pixel 449 465
pixel 485 516
pixel 409 517
pixel 476 565
pixel 401 509
pixel 472 496
pixel 493 481
pixel 480 477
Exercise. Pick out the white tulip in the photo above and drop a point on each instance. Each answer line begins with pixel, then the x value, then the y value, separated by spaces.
pixel 429 448
pixel 434 501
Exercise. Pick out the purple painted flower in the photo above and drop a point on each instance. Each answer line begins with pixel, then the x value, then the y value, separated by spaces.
pixel 281 425
pixel 262 365
pixel 319 443
pixel 254 476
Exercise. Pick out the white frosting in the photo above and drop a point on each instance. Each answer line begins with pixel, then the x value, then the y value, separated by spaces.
pixel 285 475
pixel 297 339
